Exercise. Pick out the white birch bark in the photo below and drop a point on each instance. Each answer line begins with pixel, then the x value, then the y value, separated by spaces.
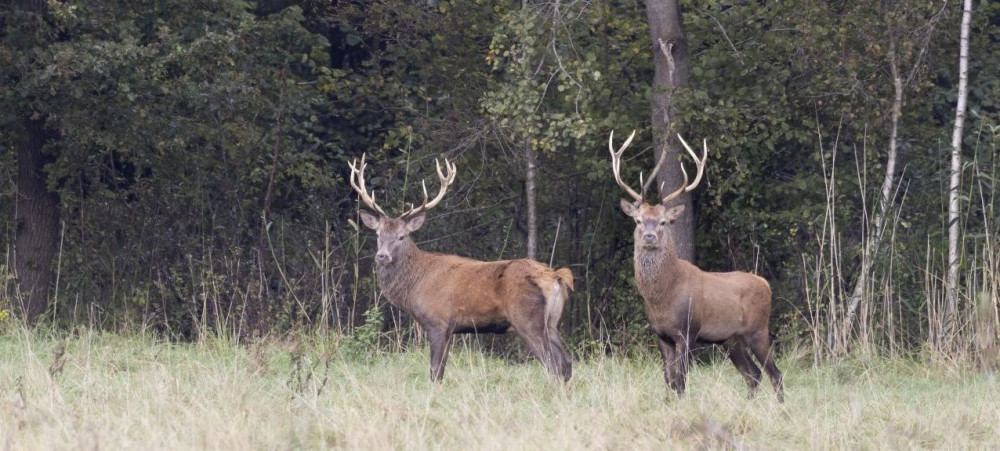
pixel 951 290
pixel 875 240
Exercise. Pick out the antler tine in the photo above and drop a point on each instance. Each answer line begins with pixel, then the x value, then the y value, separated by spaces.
pixel 358 183
pixel 681 190
pixel 699 162
pixel 656 170
pixel 616 164
pixel 697 179
pixel 447 177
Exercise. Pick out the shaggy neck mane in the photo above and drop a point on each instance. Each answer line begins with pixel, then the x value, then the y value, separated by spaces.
pixel 655 263
pixel 399 278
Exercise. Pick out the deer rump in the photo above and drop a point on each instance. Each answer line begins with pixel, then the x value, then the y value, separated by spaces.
pixel 461 295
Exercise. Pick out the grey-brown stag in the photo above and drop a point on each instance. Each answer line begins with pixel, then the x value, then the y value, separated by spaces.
pixel 449 294
pixel 687 307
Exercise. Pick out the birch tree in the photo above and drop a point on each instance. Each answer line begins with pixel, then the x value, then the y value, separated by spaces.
pixel 908 39
pixel 951 288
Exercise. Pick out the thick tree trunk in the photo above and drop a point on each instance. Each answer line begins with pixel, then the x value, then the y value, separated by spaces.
pixel 36 210
pixel 37 216
pixel 670 56
pixel 951 290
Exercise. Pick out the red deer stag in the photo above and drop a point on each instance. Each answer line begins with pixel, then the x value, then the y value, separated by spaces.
pixel 685 306
pixel 449 294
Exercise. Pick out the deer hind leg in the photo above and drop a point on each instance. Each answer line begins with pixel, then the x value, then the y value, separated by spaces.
pixel 554 303
pixel 439 337
pixel 760 343
pixel 740 357
pixel 559 355
pixel 533 331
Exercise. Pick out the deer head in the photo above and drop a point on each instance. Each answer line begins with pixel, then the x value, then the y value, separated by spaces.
pixel 652 222
pixel 394 233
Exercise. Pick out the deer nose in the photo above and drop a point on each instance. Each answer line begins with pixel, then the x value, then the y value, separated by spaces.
pixel 382 259
pixel 648 237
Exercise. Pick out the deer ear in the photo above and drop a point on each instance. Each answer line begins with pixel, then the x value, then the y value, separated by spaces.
pixel 628 207
pixel 672 214
pixel 369 220
pixel 414 223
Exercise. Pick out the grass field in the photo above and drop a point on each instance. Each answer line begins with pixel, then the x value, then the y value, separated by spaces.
pixel 104 391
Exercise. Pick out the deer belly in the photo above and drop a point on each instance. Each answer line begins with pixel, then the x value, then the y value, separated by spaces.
pixel 721 329
pixel 494 328
pixel 479 318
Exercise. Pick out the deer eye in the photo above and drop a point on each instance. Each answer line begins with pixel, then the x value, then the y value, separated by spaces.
pixel 663 222
pixel 400 238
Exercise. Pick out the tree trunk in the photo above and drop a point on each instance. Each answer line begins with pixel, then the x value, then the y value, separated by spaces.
pixel 530 193
pixel 670 56
pixel 951 290
pixel 875 240
pixel 37 218
pixel 36 210
pixel 531 199
pixel 257 310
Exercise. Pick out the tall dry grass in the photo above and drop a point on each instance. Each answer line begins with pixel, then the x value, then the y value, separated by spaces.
pixel 871 318
pixel 96 390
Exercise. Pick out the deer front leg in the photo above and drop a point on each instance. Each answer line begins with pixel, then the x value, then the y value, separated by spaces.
pixel 683 348
pixel 668 351
pixel 439 338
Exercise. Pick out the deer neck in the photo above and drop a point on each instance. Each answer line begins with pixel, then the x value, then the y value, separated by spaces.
pixel 399 279
pixel 656 268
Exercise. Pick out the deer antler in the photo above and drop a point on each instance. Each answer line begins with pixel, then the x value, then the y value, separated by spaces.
pixel 701 171
pixel 358 183
pixel 616 164
pixel 446 178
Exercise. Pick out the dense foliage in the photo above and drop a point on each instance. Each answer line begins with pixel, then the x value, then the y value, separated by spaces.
pixel 199 150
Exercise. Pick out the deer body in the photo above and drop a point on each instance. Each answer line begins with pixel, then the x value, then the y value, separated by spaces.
pixel 422 283
pixel 448 294
pixel 687 307
pixel 715 306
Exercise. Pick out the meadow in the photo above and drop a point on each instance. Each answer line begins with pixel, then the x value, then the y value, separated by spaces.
pixel 97 390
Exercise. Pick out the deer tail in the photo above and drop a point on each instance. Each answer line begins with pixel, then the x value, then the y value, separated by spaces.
pixel 562 285
pixel 565 276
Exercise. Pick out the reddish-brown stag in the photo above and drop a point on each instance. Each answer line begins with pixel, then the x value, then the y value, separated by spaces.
pixel 449 294
pixel 687 307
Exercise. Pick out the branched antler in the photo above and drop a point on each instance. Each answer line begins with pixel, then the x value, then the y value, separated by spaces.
pixel 358 183
pixel 701 171
pixel 616 164
pixel 446 178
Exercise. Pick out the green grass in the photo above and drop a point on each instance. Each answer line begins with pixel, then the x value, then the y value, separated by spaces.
pixel 117 392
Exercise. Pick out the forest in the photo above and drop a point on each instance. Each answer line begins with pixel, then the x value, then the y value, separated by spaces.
pixel 187 260
pixel 180 167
